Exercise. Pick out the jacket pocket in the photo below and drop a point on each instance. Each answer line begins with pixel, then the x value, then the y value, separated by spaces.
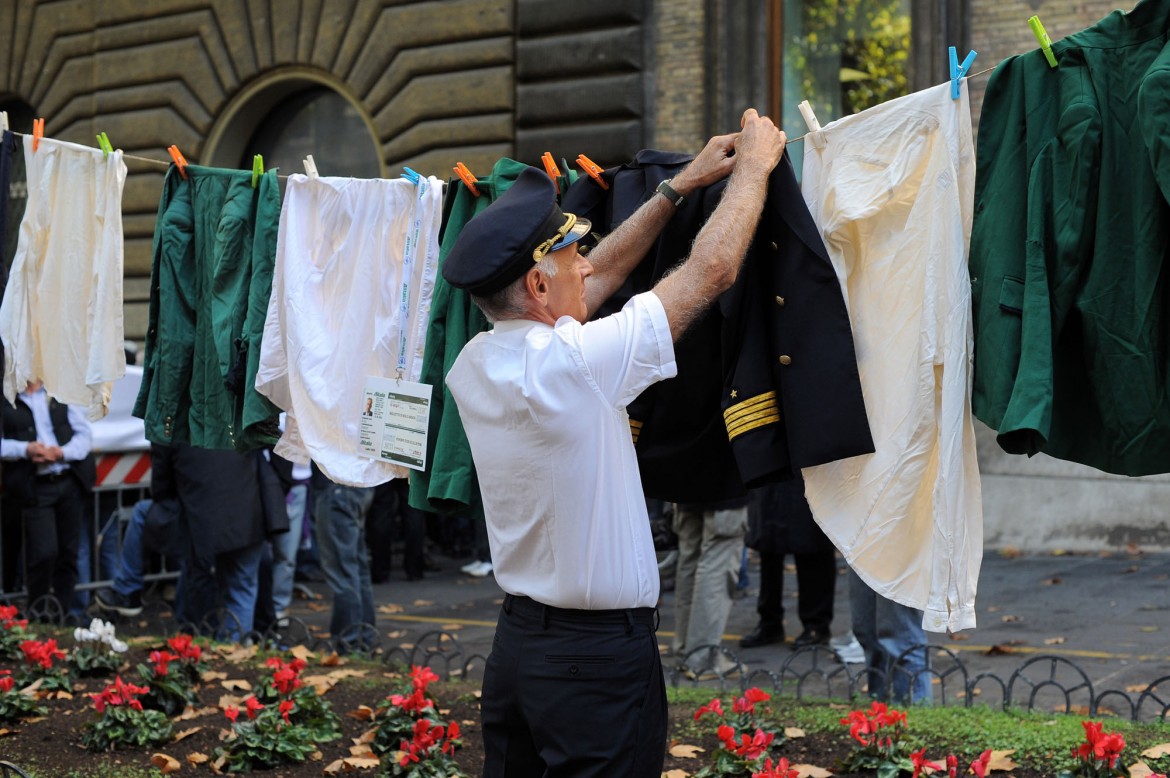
pixel 1011 295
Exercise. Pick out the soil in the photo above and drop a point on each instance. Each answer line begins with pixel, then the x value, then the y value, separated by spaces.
pixel 51 746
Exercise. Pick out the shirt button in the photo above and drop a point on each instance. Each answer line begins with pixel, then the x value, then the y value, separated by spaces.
pixel 785 359
pixel 779 300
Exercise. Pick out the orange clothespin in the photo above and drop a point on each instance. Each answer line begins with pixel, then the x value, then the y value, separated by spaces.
pixel 466 177
pixel 180 161
pixel 38 132
pixel 592 170
pixel 551 168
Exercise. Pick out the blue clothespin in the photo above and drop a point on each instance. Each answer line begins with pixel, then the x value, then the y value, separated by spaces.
pixel 959 71
pixel 410 175
pixel 257 169
pixel 104 144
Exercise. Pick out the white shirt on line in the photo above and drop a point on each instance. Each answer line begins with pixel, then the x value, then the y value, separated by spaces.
pixel 544 408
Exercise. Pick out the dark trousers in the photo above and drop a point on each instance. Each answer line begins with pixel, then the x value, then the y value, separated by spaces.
pixel 52 530
pixel 573 694
pixel 389 514
pixel 816 581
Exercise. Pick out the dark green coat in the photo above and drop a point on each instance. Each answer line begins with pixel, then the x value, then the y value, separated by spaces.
pixel 211 277
pixel 1070 244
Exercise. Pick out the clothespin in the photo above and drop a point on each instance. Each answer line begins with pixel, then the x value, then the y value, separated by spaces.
pixel 592 170
pixel 310 167
pixel 551 168
pixel 180 160
pixel 38 132
pixel 1043 39
pixel 959 71
pixel 104 144
pixel 810 118
pixel 3 121
pixel 410 175
pixel 257 169
pixel 466 177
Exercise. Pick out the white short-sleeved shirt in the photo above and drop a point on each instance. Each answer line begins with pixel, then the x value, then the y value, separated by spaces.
pixel 544 408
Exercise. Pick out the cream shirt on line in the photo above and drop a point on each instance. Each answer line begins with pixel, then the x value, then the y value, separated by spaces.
pixel 333 318
pixel 892 191
pixel 544 408
pixel 61 318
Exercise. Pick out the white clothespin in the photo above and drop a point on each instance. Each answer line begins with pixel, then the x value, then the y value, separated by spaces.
pixel 3 121
pixel 810 118
pixel 310 167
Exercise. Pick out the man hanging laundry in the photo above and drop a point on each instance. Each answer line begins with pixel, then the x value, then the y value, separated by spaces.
pixel 574 683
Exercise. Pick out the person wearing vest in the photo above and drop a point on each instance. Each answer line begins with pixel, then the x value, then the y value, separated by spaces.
pixel 48 472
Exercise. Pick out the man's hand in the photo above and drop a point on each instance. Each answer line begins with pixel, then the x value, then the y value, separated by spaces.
pixel 39 453
pixel 760 142
pixel 714 163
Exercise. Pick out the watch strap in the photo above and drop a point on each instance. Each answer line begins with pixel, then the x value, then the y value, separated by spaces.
pixel 667 191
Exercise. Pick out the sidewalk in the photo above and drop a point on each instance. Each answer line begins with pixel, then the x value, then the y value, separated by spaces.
pixel 1106 614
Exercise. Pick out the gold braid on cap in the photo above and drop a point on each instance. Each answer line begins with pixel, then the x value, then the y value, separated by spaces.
pixel 539 252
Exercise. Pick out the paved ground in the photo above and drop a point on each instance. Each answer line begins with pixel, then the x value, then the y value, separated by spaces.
pixel 1107 614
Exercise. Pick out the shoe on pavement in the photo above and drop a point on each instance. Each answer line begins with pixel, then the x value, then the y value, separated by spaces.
pixel 811 637
pixel 729 670
pixel 762 635
pixel 472 565
pixel 848 650
pixel 110 600
pixel 481 570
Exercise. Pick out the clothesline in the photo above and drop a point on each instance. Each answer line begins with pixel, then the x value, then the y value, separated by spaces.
pixel 165 163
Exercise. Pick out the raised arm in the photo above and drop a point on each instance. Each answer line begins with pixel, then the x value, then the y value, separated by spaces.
pixel 619 253
pixel 718 252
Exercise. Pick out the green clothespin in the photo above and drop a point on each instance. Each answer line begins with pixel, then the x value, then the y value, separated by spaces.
pixel 257 169
pixel 1043 39
pixel 104 144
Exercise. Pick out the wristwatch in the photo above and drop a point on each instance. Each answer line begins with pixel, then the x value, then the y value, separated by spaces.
pixel 667 191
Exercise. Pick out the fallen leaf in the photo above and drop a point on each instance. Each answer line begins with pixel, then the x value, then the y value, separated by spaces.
pixel 318 607
pixel 1137 687
pixel 195 758
pixel 1148 629
pixel 1052 581
pixel 1001 760
pixel 218 764
pixel 213 675
pixel 395 634
pixel 186 734
pixel 451 627
pixel 1156 752
pixel 676 774
pixel 333 660
pixel 793 732
pixel 63 695
pixel 237 685
pixel 422 603
pixel 390 608
pixel 194 713
pixel 1132 549
pixel 1008 618
pixel 1054 641
pixel 6 731
pixel 360 749
pixel 165 764
pixel 242 654
pixel 998 651
pixel 1009 552
pixel 1059 552
pixel 686 752
pixel 1140 770
pixel 352 764
pixel 993 609
pixel 363 713
pixel 302 652
pixel 1131 569
pixel 230 700
pixel 958 636
pixel 809 771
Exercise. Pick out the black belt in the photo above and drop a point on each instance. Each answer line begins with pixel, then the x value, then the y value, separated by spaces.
pixel 526 606
pixel 51 477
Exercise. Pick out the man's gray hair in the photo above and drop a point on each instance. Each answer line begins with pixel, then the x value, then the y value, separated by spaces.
pixel 511 301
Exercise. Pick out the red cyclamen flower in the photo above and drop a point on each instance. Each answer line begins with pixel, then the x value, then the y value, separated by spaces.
pixel 918 758
pixel 253 706
pixel 232 713
pixel 779 770
pixel 714 706
pixel 979 766
pixel 952 766
pixel 286 707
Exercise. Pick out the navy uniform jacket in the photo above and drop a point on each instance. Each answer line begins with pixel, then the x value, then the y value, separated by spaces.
pixel 735 417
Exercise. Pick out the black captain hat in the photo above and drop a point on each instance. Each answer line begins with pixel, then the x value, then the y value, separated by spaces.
pixel 512 234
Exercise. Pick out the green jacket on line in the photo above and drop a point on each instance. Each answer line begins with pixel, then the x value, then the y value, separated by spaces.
pixel 1070 244
pixel 211 277
pixel 448 484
